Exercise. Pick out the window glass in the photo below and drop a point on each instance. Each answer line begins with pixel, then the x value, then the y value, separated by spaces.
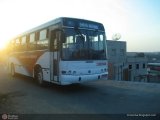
pixel 32 42
pixel 101 43
pixel 69 42
pixel 42 41
pixel 144 65
pixel 17 44
pixel 43 34
pixel 23 40
pixel 12 45
pixel 137 66
pixel 23 43
pixel 42 45
pixel 130 66
pixel 83 45
pixel 101 37
pixel 32 37
pixel 17 41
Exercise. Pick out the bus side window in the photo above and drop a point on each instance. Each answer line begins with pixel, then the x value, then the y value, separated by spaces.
pixel 12 46
pixel 24 43
pixel 32 42
pixel 17 44
pixel 42 41
pixel 54 40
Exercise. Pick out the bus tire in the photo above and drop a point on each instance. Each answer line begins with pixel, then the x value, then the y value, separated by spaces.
pixel 12 72
pixel 39 76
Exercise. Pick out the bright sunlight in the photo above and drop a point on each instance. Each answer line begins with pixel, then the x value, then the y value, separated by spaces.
pixel 18 18
pixel 3 43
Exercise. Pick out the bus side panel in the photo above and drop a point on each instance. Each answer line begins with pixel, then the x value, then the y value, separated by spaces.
pixel 44 62
pixel 24 62
pixel 19 68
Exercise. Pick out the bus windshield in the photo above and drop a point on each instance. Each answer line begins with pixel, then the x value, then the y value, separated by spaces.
pixel 84 44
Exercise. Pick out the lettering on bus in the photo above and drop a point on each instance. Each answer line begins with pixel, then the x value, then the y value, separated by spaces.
pixel 86 25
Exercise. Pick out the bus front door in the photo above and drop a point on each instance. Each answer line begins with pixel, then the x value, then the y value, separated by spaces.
pixel 55 56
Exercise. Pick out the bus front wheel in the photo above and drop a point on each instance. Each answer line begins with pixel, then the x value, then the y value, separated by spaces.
pixel 39 76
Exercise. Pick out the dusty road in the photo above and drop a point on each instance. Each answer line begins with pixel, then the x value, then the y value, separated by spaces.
pixel 22 95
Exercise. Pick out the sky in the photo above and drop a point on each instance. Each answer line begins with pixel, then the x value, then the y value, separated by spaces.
pixel 138 21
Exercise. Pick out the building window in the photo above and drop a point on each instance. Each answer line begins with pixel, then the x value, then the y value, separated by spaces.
pixel 144 65
pixel 130 67
pixel 137 66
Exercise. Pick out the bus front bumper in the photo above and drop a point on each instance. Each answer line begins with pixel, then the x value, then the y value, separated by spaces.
pixel 71 79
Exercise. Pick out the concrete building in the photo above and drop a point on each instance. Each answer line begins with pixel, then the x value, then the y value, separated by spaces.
pixel 116 59
pixel 137 67
pixel 123 65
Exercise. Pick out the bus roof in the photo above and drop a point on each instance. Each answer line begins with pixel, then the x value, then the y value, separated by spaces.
pixel 68 22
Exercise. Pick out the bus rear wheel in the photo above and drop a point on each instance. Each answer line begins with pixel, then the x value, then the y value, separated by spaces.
pixel 39 76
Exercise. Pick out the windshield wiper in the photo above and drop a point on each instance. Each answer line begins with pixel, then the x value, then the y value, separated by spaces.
pixel 79 32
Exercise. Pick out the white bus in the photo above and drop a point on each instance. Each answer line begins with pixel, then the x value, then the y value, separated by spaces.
pixel 62 51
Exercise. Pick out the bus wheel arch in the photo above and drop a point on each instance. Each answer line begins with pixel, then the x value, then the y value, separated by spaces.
pixel 38 75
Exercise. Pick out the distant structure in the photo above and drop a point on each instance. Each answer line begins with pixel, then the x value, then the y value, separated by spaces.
pixel 153 57
pixel 153 72
pixel 137 67
pixel 116 59
pixel 123 65
pixel 154 69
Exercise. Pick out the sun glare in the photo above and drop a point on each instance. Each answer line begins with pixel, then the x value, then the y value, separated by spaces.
pixel 113 17
pixel 3 44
